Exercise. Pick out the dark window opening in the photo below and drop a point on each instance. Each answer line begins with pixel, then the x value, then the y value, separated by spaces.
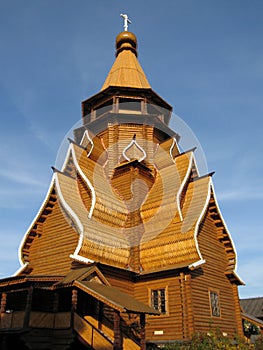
pixel 42 300
pixel 130 104
pixel 158 300
pixel 214 303
pixel 16 301
pixel 106 107
pixel 155 110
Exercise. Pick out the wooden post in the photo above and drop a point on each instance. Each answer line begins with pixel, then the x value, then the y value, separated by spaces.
pixel 117 331
pixel 186 302
pixel 55 308
pixel 239 326
pixel 74 301
pixel 142 332
pixel 100 316
pixel 189 304
pixel 28 307
pixel 55 302
pixel 3 303
pixel 2 307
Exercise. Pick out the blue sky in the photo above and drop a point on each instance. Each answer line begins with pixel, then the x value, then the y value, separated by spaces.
pixel 203 57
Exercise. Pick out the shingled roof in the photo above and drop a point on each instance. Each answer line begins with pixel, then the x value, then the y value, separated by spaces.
pixel 126 70
pixel 115 298
pixel 253 306
pixel 133 199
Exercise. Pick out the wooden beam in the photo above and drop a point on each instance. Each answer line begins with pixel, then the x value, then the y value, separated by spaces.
pixel 142 332
pixel 28 306
pixel 117 345
pixel 3 303
pixel 74 301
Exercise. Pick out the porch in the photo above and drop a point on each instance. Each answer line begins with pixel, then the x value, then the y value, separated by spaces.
pixel 97 315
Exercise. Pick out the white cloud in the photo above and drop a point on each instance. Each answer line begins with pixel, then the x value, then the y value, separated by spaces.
pixel 252 273
pixel 242 194
pixel 20 178
pixel 249 242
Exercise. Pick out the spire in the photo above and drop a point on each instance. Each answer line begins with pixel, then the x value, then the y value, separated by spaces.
pixel 126 70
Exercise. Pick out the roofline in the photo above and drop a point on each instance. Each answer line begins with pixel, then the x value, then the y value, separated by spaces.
pixel 197 225
pixel 203 176
pixel 252 319
pixel 116 89
pixel 98 296
pixel 96 126
pixel 251 298
pixel 71 152
pixel 109 302
pixel 183 183
pixel 28 278
pixel 229 235
pixel 188 151
pixel 38 215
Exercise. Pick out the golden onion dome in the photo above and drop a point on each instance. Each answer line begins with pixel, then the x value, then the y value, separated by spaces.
pixel 126 41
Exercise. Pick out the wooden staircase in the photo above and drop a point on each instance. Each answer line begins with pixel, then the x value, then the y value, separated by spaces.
pixel 92 336
pixel 99 336
pixel 41 334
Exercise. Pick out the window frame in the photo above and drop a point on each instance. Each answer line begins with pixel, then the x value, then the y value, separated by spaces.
pixel 159 288
pixel 211 302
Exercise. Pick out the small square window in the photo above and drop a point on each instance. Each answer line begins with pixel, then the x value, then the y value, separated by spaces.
pixel 158 300
pixel 214 303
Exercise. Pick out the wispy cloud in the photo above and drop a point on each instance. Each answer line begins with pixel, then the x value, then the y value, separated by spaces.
pixel 253 276
pixel 17 190
pixel 242 194
pixel 20 178
pixel 247 247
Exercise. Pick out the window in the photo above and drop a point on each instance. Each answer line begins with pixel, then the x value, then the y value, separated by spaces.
pixel 158 301
pixel 130 105
pixel 214 303
pixel 104 108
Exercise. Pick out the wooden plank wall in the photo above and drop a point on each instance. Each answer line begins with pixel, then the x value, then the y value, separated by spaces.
pixel 212 277
pixel 49 253
pixel 171 324
pixel 168 326
pixel 238 307
pixel 119 279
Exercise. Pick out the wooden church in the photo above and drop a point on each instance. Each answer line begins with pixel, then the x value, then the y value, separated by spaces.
pixel 129 247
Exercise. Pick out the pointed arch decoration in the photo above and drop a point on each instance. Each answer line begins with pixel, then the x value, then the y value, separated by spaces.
pixel 129 146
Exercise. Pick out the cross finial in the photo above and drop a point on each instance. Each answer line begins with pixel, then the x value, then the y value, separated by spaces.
pixel 126 20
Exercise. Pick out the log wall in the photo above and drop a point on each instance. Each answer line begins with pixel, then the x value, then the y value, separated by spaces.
pixel 170 325
pixel 211 276
pixel 50 250
pixel 188 302
pixel 158 328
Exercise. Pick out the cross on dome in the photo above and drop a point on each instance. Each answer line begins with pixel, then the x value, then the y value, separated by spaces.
pixel 126 20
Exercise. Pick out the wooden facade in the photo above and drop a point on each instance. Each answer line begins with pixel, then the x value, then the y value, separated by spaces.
pixel 129 246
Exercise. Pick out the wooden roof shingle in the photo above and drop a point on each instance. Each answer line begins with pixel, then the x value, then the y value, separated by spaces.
pixel 115 298
pixel 126 70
